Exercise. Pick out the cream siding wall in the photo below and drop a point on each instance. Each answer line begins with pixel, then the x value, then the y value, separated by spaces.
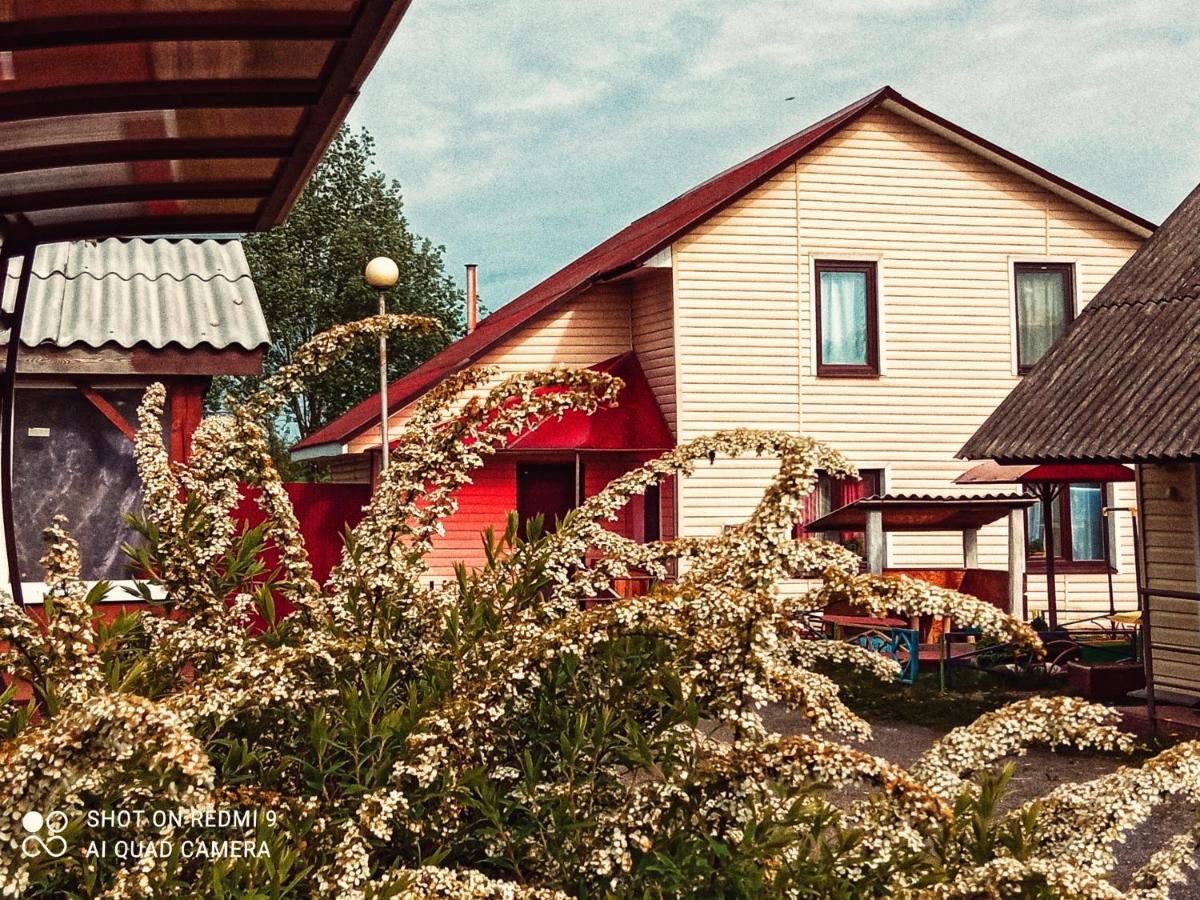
pixel 585 331
pixel 944 226
pixel 654 337
pixel 1169 521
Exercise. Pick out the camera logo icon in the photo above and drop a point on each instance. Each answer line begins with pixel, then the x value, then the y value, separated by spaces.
pixel 53 823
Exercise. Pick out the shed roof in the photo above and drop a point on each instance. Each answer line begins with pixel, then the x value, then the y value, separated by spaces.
pixel 922 512
pixel 1123 384
pixel 137 292
pixel 647 236
pixel 130 117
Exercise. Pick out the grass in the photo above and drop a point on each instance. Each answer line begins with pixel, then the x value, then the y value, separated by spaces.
pixel 923 703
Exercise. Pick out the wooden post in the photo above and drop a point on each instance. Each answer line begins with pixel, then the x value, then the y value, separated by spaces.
pixel 970 548
pixel 186 410
pixel 874 541
pixel 1016 563
pixel 1049 494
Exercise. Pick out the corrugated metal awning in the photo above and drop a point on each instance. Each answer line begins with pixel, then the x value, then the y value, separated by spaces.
pixel 924 512
pixel 140 293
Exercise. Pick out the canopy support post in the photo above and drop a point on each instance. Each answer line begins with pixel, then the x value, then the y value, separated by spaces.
pixel 874 541
pixel 1048 493
pixel 970 539
pixel 1016 563
pixel 25 247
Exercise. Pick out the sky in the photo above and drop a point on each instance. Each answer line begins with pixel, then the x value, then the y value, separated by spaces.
pixel 524 132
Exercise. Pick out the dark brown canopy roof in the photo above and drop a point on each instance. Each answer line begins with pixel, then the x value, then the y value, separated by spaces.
pixel 1123 385
pixel 910 512
pixel 139 117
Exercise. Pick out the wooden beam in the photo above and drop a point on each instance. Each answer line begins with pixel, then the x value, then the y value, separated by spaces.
pixel 225 24
pixel 165 149
pixel 107 410
pixel 89 99
pixel 374 24
pixel 186 409
pixel 67 362
pixel 123 193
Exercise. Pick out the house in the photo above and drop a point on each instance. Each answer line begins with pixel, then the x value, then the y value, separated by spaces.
pixel 1124 386
pixel 880 281
pixel 104 319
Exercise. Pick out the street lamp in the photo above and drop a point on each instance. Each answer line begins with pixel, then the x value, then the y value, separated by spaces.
pixel 382 274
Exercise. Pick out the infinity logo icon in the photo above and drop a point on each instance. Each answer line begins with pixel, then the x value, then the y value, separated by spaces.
pixel 54 845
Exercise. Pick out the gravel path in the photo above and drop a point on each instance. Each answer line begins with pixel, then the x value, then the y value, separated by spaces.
pixel 1036 774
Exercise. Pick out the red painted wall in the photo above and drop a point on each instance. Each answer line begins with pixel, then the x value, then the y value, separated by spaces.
pixel 493 493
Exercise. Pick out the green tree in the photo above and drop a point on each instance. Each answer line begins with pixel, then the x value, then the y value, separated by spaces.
pixel 309 276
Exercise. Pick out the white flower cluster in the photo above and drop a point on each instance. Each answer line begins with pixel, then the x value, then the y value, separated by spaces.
pixel 735 644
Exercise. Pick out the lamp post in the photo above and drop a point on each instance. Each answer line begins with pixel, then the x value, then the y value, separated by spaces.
pixel 382 274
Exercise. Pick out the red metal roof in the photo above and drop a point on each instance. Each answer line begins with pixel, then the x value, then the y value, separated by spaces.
pixel 991 472
pixel 130 118
pixel 922 512
pixel 634 423
pixel 650 234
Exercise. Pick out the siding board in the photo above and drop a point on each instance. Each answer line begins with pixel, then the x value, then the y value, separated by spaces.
pixel 944 225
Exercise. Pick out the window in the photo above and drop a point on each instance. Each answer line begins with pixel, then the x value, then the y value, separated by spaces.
pixel 1045 306
pixel 1080 544
pixel 833 493
pixel 847 319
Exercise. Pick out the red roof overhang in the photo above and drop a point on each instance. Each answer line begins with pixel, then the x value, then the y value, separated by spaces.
pixel 126 118
pixel 635 422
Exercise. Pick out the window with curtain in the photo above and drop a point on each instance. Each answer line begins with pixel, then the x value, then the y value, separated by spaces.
pixel 1078 523
pixel 847 318
pixel 1045 306
pixel 831 493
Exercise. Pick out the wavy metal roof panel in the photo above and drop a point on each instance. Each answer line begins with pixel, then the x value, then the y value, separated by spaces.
pixel 142 292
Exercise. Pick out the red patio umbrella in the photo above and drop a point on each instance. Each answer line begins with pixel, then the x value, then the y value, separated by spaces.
pixel 1045 482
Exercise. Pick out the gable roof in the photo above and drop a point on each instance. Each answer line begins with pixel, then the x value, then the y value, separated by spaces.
pixel 1123 384
pixel 647 236
pixel 140 293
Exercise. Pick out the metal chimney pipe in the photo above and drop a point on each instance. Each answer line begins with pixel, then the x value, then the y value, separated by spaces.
pixel 472 296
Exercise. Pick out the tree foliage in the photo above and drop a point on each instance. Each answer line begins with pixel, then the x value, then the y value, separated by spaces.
pixel 309 276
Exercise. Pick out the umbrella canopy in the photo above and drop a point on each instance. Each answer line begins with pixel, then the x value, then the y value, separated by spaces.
pixel 991 472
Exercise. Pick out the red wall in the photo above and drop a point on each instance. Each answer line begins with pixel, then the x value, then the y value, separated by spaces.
pixel 493 494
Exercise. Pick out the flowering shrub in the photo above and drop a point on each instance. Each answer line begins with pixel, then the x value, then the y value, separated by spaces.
pixel 493 736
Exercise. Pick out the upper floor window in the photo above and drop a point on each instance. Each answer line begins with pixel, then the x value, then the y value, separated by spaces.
pixel 847 318
pixel 1045 306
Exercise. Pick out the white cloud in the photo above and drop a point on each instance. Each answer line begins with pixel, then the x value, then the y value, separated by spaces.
pixel 524 131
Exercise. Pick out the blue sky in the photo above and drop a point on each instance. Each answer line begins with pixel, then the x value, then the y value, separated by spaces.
pixel 525 131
